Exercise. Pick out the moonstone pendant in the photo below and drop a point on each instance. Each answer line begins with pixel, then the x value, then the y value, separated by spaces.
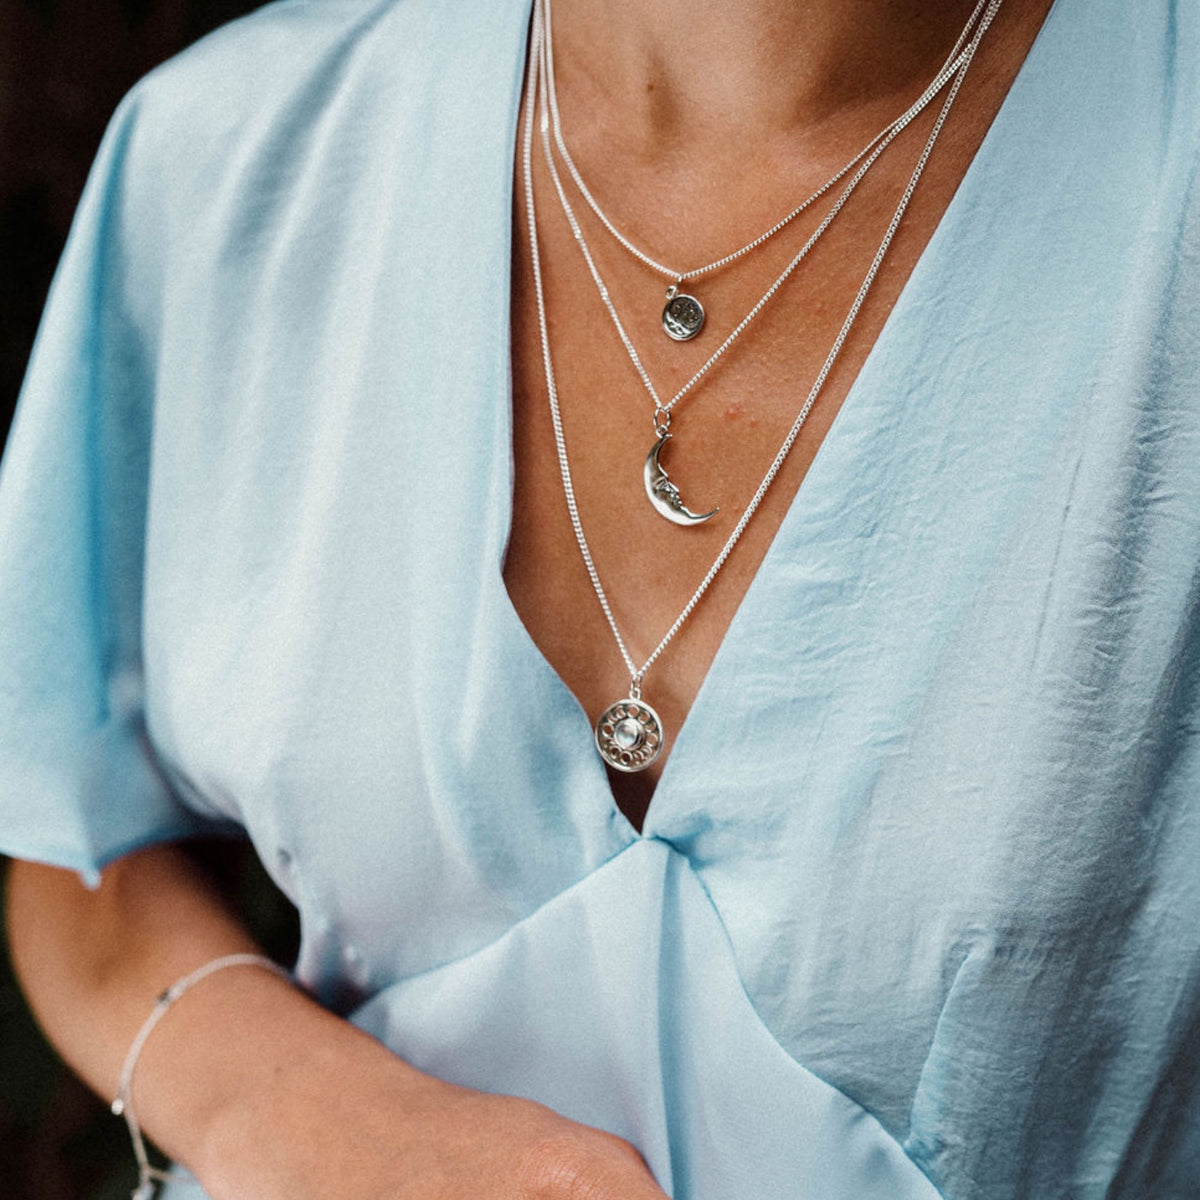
pixel 629 735
pixel 683 315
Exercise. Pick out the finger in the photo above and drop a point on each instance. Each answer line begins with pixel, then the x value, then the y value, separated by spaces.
pixel 604 1168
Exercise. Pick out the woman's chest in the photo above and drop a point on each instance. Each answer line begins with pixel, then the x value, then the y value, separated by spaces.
pixel 652 476
pixel 938 765
pixel 905 767
pixel 331 649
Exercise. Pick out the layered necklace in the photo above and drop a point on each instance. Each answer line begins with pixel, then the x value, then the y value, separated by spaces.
pixel 661 492
pixel 629 734
pixel 683 315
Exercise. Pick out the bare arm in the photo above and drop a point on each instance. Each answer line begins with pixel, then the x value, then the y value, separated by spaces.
pixel 258 1090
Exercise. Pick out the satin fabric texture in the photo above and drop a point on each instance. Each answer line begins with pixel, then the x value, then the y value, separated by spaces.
pixel 915 910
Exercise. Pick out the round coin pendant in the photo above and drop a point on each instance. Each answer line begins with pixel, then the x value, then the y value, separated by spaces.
pixel 629 735
pixel 682 317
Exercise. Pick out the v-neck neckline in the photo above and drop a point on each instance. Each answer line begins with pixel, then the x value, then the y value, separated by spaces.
pixel 851 410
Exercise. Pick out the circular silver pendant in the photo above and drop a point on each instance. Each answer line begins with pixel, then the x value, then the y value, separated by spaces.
pixel 629 735
pixel 683 317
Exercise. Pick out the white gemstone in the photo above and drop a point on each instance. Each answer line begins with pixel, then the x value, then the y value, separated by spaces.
pixel 627 734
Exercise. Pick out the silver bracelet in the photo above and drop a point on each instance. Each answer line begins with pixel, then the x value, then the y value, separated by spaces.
pixel 122 1106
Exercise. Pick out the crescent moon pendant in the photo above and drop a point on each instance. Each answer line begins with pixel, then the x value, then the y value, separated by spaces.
pixel 664 495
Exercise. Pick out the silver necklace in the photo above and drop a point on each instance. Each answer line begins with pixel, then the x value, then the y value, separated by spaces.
pixel 683 315
pixel 629 734
pixel 660 491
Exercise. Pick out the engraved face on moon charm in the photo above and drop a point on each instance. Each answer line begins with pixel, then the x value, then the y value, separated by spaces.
pixel 629 735
pixel 683 316
pixel 664 495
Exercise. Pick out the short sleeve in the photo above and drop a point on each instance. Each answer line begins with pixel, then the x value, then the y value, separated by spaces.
pixel 79 782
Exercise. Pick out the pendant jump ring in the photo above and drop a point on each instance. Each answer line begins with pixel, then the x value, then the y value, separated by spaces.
pixel 662 421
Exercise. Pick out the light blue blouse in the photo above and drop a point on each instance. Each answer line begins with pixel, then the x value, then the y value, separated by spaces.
pixel 916 907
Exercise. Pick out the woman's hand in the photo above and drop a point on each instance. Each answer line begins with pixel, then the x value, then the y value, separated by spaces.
pixel 246 1080
pixel 380 1131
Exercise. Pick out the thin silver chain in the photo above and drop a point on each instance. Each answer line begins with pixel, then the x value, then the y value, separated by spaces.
pixel 560 440
pixel 662 411
pixel 636 673
pixel 949 67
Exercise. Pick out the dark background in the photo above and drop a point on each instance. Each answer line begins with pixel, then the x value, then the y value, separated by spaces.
pixel 64 65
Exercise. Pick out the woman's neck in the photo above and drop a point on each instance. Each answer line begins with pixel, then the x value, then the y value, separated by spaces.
pixel 675 74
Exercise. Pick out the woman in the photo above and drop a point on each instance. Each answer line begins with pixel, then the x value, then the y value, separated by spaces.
pixel 911 910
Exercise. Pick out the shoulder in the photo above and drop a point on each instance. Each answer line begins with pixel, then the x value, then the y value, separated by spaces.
pixel 286 58
pixel 292 116
pixel 271 77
